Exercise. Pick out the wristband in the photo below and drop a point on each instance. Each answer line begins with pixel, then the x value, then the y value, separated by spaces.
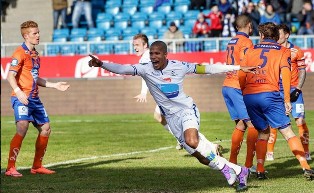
pixel 17 89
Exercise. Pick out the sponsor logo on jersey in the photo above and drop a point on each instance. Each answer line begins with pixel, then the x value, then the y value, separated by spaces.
pixel 14 62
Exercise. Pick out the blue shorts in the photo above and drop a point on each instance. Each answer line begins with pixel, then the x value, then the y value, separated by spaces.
pixel 34 112
pixel 266 109
pixel 297 106
pixel 235 104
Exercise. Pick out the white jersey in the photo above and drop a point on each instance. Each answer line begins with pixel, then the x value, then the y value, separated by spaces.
pixel 144 60
pixel 166 86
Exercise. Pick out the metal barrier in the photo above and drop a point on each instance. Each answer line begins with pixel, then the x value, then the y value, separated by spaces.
pixel 125 46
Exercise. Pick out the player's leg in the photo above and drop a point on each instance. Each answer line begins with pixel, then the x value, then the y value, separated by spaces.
pixel 41 122
pixel 271 144
pixel 251 139
pixel 22 118
pixel 161 119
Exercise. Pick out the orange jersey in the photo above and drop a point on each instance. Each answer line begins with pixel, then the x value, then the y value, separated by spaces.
pixel 297 63
pixel 26 64
pixel 271 58
pixel 236 49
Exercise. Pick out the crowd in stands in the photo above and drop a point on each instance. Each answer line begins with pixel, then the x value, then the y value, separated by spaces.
pixel 210 18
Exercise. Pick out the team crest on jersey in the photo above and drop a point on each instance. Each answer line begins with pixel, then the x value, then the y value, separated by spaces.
pixel 14 62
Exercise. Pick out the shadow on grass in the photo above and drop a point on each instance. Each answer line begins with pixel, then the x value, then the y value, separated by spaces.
pixel 106 176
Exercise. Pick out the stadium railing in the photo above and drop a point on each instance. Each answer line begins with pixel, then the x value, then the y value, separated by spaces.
pixel 125 46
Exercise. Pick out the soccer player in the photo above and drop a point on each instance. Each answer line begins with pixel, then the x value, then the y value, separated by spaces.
pixel 262 98
pixel 298 74
pixel 232 93
pixel 141 47
pixel 24 79
pixel 164 79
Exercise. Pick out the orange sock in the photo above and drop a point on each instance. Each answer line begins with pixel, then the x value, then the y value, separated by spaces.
pixel 236 142
pixel 41 145
pixel 272 140
pixel 15 147
pixel 297 149
pixel 261 148
pixel 251 139
pixel 304 136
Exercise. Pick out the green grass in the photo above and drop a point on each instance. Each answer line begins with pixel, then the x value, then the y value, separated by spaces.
pixel 104 141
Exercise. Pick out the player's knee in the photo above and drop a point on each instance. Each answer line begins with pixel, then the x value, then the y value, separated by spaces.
pixel 192 142
pixel 299 121
pixel 45 130
pixel 264 135
pixel 287 132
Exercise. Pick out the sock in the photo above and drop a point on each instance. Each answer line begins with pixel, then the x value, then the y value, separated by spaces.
pixel 297 149
pixel 261 148
pixel 41 145
pixel 236 142
pixel 304 136
pixel 251 139
pixel 272 140
pixel 15 147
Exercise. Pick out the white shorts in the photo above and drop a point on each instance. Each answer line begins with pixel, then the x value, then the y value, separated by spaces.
pixel 183 120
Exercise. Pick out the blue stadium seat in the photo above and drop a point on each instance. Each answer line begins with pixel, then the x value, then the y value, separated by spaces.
pixel 60 35
pixel 113 8
pixel 77 39
pixel 147 3
pixel 156 23
pixel 130 2
pixel 129 9
pixel 121 20
pixel 122 48
pixel 95 34
pixel 177 17
pixel 104 17
pixel 101 48
pixel 193 46
pixel 150 32
pixel 113 3
pixel 191 14
pixel 113 32
pixel 67 49
pixel 130 31
pixel 181 8
pixel 127 37
pixel 161 31
pixel 164 8
pixel 60 39
pixel 139 19
pixel 210 46
pixel 53 50
pixel 104 25
pixel 112 37
pixel 223 44
pixel 139 23
pixel 81 49
pixel 189 22
pixel 180 2
pixel 187 31
pixel 78 32
pixel 147 9
pixel 156 15
pixel 95 39
pixel 156 19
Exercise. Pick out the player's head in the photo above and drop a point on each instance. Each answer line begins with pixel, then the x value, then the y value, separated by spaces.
pixel 268 30
pixel 158 55
pixel 244 24
pixel 140 44
pixel 284 33
pixel 30 32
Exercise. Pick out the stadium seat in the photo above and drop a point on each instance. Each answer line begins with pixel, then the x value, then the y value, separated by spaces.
pixel 53 49
pixel 191 14
pixel 113 32
pixel 164 8
pixel 156 19
pixel 156 23
pixel 78 32
pixel 121 20
pixel 177 17
pixel 113 10
pixel 130 2
pixel 150 32
pixel 122 48
pixel 95 34
pixel 223 44
pixel 187 31
pixel 130 31
pixel 181 8
pixel 147 9
pixel 104 25
pixel 101 48
pixel 81 49
pixel 144 3
pixel 104 17
pixel 161 31
pixel 139 20
pixel 210 46
pixel 60 35
pixel 112 37
pixel 139 23
pixel 77 39
pixel 129 9
pixel 193 46
pixel 189 23
pixel 67 49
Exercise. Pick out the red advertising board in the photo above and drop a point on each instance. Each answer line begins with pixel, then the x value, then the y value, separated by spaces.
pixel 77 67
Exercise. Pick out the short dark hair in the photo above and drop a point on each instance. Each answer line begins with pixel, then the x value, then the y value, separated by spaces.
pixel 162 45
pixel 242 21
pixel 269 30
pixel 284 27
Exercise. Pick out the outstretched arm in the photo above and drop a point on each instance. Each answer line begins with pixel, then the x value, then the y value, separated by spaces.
pixel 216 68
pixel 112 67
pixel 62 86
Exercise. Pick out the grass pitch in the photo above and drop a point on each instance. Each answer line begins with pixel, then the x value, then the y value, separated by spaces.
pixel 133 153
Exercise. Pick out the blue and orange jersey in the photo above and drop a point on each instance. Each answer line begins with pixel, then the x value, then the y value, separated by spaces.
pixel 236 49
pixel 271 59
pixel 26 64
pixel 297 64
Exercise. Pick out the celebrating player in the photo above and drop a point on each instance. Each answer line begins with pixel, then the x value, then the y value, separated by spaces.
pixel 298 74
pixel 232 94
pixel 164 79
pixel 262 98
pixel 24 79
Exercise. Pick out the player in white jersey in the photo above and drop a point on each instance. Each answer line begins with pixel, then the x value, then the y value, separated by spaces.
pixel 164 79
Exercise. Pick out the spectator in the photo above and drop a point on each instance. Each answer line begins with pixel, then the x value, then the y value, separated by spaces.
pixel 240 5
pixel 255 17
pixel 4 6
pixel 270 15
pixel 280 7
pixel 201 27
pixel 307 19
pixel 216 18
pixel 59 9
pixel 261 7
pixel 80 7
pixel 224 6
pixel 228 28
pixel 293 9
pixel 159 2
pixel 174 33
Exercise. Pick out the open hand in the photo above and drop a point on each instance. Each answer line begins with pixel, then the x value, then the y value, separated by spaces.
pixel 94 62
pixel 141 98
pixel 251 69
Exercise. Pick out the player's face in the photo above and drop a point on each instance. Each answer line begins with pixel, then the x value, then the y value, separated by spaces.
pixel 282 37
pixel 250 29
pixel 139 46
pixel 158 58
pixel 32 37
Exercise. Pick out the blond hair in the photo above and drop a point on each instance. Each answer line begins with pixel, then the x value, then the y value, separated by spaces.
pixel 26 25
